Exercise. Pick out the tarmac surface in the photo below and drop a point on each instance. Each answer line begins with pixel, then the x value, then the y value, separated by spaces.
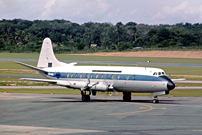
pixel 25 114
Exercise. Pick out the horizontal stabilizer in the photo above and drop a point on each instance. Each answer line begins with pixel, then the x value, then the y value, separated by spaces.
pixel 175 80
pixel 29 66
pixel 73 63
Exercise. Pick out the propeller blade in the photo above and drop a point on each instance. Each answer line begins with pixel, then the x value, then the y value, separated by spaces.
pixel 91 93
pixel 169 94
pixel 95 84
pixel 115 92
pixel 88 80
pixel 82 89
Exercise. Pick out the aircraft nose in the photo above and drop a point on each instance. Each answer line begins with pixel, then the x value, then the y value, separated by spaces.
pixel 170 85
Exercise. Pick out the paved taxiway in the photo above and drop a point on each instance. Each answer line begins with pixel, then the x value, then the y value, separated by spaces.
pixel 66 114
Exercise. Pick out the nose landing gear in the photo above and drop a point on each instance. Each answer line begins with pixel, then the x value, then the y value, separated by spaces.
pixel 155 100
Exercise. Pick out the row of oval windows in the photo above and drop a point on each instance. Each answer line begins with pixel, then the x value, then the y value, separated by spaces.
pixel 95 76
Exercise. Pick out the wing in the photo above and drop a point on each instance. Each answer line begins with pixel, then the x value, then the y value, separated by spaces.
pixel 57 82
pixel 175 80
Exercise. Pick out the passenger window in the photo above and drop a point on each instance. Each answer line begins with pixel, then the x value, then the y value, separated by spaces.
pixel 127 77
pixel 72 75
pixel 112 76
pixel 91 76
pixel 96 76
pixel 80 75
pixel 133 77
pixel 107 76
pixel 118 77
pixel 102 76
pixel 76 75
pixel 68 75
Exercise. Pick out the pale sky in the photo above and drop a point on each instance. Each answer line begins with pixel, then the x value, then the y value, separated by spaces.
pixel 81 11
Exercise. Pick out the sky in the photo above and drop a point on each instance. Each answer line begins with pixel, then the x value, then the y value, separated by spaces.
pixel 152 12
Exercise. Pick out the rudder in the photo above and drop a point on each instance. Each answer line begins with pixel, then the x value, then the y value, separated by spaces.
pixel 47 57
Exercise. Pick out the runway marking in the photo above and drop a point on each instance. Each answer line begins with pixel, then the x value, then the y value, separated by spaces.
pixel 173 114
pixel 153 108
pixel 147 107
pixel 197 130
pixel 19 130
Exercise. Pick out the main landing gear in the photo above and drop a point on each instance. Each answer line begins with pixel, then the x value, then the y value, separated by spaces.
pixel 126 96
pixel 85 96
pixel 155 100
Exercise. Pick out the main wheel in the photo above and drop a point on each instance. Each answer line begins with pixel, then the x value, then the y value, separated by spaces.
pixel 126 96
pixel 85 98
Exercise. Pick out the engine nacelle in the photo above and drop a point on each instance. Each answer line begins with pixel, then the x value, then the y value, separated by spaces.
pixel 100 87
pixel 77 85
pixel 97 87
pixel 161 93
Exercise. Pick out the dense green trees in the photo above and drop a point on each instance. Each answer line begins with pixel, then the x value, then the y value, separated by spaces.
pixel 26 36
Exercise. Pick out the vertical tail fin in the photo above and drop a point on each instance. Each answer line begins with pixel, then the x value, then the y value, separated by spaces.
pixel 47 57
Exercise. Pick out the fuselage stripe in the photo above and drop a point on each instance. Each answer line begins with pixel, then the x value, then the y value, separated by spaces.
pixel 103 76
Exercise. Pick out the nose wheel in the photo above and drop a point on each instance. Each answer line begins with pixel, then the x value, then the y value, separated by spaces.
pixel 155 100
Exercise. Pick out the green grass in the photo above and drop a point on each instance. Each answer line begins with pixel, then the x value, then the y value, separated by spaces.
pixel 9 79
pixel 20 55
pixel 43 91
pixel 175 70
pixel 129 59
pixel 104 58
pixel 24 84
pixel 13 65
pixel 187 93
pixel 189 84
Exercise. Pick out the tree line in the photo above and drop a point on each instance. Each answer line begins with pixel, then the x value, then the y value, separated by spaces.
pixel 19 35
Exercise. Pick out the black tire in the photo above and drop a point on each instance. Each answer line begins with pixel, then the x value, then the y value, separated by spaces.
pixel 127 98
pixel 155 101
pixel 85 98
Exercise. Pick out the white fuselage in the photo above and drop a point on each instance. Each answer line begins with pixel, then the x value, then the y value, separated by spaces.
pixel 123 79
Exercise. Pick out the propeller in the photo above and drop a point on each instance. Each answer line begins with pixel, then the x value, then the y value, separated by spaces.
pixel 89 86
pixel 169 94
pixel 169 91
pixel 115 92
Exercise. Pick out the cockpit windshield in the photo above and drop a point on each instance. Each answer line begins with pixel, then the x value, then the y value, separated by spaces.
pixel 154 73
pixel 159 73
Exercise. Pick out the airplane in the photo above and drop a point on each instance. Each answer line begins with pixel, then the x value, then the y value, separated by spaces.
pixel 92 79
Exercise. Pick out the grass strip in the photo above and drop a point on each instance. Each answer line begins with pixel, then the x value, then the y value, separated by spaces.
pixel 104 58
